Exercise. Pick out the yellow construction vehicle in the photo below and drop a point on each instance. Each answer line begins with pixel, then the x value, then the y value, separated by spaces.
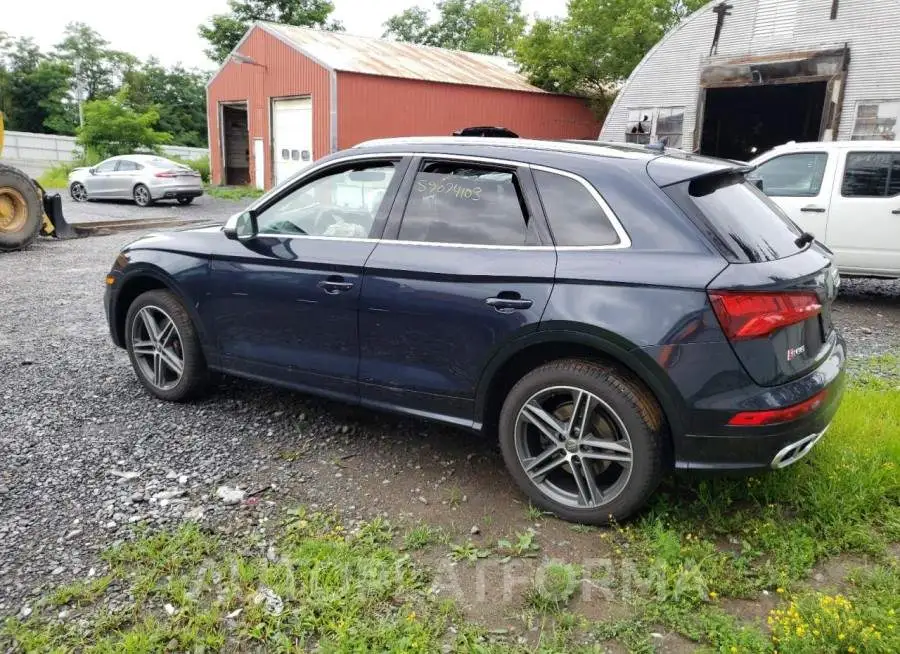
pixel 26 210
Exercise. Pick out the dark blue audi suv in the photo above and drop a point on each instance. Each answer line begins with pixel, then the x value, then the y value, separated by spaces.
pixel 608 312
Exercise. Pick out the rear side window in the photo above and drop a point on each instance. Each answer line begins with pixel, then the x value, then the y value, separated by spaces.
pixel 466 203
pixel 793 175
pixel 575 217
pixel 745 224
pixel 871 175
pixel 128 166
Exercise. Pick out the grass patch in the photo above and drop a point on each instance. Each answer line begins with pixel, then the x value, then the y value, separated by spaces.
pixel 554 587
pixel 523 545
pixel 708 539
pixel 328 589
pixel 234 192
pixel 864 621
pixel 57 177
pixel 423 535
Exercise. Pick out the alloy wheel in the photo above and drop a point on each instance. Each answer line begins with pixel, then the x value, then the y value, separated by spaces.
pixel 78 192
pixel 573 447
pixel 157 348
pixel 142 196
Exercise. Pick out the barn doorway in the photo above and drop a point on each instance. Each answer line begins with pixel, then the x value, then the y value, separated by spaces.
pixel 745 121
pixel 235 144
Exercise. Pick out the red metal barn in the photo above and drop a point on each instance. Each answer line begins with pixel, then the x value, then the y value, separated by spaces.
pixel 289 95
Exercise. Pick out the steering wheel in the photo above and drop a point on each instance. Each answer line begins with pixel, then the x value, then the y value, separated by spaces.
pixel 286 227
pixel 326 218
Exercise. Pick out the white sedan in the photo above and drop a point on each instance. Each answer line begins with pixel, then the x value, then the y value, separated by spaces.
pixel 144 178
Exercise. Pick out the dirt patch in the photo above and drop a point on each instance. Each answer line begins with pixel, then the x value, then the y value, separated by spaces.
pixel 831 576
pixel 754 612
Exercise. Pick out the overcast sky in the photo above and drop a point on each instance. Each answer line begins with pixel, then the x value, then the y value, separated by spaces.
pixel 167 29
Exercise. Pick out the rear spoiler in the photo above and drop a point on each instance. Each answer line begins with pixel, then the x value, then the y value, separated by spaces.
pixel 674 169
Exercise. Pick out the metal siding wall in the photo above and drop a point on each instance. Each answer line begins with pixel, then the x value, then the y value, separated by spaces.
pixel 287 73
pixel 776 21
pixel 669 75
pixel 870 27
pixel 380 107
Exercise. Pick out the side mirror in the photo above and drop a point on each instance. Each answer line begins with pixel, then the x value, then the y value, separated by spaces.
pixel 92 170
pixel 759 184
pixel 242 226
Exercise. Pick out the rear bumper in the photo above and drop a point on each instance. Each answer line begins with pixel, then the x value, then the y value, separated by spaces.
pixel 718 446
pixel 170 193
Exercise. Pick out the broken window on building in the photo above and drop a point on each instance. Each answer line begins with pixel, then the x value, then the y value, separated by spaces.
pixel 640 124
pixel 877 121
pixel 670 125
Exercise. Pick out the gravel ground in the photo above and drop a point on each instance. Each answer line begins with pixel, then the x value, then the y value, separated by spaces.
pixel 85 453
pixel 204 207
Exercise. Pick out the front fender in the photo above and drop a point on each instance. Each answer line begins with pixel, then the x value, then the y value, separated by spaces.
pixel 185 275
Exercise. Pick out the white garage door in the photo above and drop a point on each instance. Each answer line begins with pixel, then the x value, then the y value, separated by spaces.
pixel 293 136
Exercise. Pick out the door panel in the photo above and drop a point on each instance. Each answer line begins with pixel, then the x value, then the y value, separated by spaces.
pixel 285 303
pixel 101 183
pixel 292 121
pixel 863 230
pixel 800 183
pixel 465 276
pixel 286 308
pixel 429 319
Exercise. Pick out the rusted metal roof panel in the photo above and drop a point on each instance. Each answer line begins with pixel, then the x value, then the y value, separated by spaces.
pixel 371 56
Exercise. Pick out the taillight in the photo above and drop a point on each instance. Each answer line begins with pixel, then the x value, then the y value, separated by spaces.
pixel 166 174
pixel 775 416
pixel 754 315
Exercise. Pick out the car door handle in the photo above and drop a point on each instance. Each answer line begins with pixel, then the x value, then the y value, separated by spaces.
pixel 509 301
pixel 335 285
pixel 896 212
pixel 813 209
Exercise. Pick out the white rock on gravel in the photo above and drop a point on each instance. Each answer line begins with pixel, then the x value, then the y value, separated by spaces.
pixel 230 495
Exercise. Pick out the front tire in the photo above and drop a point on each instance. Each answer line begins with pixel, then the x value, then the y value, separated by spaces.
pixel 78 192
pixel 583 441
pixel 142 197
pixel 164 347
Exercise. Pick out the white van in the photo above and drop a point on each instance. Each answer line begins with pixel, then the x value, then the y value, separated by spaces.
pixel 846 193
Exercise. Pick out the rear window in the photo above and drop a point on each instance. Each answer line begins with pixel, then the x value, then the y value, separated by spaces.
pixel 575 217
pixel 165 164
pixel 745 224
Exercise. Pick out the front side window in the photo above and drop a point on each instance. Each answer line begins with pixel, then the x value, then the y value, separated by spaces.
pixel 575 217
pixel 640 124
pixel 127 166
pixel 466 203
pixel 342 204
pixel 107 166
pixel 792 175
pixel 877 121
pixel 871 175
pixel 670 125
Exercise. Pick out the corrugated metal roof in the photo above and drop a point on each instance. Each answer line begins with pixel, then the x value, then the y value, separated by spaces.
pixel 370 56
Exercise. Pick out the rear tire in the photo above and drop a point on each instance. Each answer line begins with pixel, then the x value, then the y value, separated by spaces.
pixel 21 210
pixel 142 197
pixel 164 347
pixel 185 201
pixel 619 443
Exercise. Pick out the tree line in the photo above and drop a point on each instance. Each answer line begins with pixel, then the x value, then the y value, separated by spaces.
pixel 39 90
pixel 134 103
pixel 588 52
